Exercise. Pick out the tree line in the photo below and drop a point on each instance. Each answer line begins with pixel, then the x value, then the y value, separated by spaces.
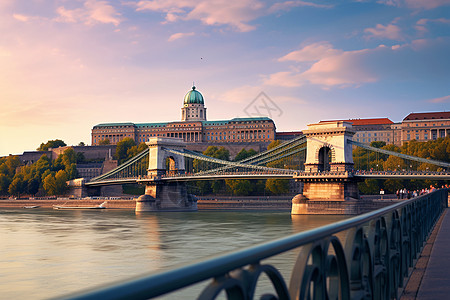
pixel 237 187
pixel 368 160
pixel 42 178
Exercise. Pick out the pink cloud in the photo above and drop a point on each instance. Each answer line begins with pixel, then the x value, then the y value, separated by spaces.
pixel 416 4
pixel 444 99
pixel 20 17
pixel 380 31
pixel 340 70
pixel 180 35
pixel 330 67
pixel 287 5
pixel 92 12
pixel 311 52
pixel 236 14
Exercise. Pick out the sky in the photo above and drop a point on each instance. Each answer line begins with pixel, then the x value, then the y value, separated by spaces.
pixel 67 65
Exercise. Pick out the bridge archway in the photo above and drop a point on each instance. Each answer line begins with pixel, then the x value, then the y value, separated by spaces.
pixel 160 161
pixel 171 165
pixel 328 148
pixel 325 157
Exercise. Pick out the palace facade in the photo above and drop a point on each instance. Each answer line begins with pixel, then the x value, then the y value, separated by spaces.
pixel 421 127
pixel 193 127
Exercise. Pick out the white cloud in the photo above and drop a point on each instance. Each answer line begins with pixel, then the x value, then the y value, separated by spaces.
pixel 330 67
pixel 92 12
pixel 287 5
pixel 311 52
pixel 20 17
pixel 180 35
pixel 390 31
pixel 416 4
pixel 236 14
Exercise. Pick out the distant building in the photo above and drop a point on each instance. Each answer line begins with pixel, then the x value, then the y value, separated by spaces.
pixel 426 126
pixel 193 128
pixel 372 130
pixel 287 135
pixel 421 127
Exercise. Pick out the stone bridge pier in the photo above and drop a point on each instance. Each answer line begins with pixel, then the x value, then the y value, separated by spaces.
pixel 163 195
pixel 328 183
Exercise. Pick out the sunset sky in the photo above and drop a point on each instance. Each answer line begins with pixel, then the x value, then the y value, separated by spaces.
pixel 67 65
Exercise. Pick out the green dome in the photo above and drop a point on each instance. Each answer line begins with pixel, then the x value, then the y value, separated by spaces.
pixel 193 96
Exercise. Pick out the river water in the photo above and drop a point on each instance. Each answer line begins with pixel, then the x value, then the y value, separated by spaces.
pixel 46 253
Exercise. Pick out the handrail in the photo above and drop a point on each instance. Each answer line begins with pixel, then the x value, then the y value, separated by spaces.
pixel 375 261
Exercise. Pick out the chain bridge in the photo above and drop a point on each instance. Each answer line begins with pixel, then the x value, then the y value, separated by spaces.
pixel 321 158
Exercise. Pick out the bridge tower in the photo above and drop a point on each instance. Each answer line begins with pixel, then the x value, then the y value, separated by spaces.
pixel 327 180
pixel 162 195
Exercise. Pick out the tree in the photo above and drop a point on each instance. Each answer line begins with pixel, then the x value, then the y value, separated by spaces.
pixel 4 184
pixel 81 144
pixel 277 186
pixel 240 187
pixel 122 149
pixel 33 186
pixel 135 150
pixel 49 184
pixel 104 142
pixel 243 154
pixel 394 163
pixel 60 181
pixel 51 144
pixel 17 186
pixel 273 144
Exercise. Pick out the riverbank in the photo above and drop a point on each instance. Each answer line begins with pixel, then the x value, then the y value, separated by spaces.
pixel 203 203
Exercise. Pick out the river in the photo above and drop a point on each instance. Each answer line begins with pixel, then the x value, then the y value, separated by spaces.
pixel 46 253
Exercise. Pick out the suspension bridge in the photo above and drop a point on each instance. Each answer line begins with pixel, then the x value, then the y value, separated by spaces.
pixel 321 159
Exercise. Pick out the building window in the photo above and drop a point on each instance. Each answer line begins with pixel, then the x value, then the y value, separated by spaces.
pixel 408 137
pixel 425 136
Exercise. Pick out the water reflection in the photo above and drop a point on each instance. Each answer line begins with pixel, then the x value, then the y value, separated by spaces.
pixel 46 253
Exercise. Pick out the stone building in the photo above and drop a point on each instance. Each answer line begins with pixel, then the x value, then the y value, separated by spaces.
pixel 421 127
pixel 371 130
pixel 426 126
pixel 194 128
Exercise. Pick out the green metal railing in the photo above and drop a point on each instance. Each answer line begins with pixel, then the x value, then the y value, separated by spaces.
pixel 374 262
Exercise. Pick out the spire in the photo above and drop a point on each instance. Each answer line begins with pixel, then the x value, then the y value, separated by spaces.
pixel 193 85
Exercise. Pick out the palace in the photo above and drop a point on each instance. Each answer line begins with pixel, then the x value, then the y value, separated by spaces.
pixel 193 128
pixel 422 127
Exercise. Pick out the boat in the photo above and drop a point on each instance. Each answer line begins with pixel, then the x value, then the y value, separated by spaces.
pixel 101 206
pixel 32 206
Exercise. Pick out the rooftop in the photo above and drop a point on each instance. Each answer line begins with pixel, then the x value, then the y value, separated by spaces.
pixel 360 122
pixel 428 116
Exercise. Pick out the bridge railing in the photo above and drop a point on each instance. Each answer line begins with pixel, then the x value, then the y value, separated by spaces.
pixel 377 256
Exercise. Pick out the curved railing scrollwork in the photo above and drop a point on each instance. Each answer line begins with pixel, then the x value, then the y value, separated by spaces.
pixel 373 262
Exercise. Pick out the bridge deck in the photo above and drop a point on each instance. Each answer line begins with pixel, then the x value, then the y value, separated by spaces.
pixel 436 280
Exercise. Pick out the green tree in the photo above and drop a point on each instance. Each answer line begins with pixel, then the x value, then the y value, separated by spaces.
pixel 243 154
pixel 273 144
pixel 49 184
pixel 104 142
pixel 135 150
pixel 17 186
pixel 51 144
pixel 122 149
pixel 277 186
pixel 394 163
pixel 240 187
pixel 33 186
pixel 4 184
pixel 60 181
